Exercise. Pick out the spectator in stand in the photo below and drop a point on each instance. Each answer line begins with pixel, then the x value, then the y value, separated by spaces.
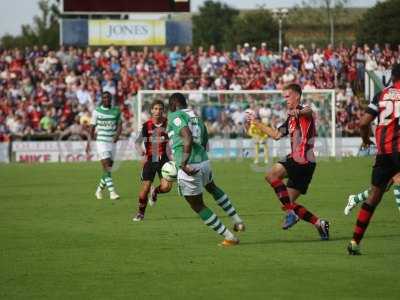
pixel 220 83
pixel 239 116
pixel 47 123
pixel 235 86
pixel 360 66
pixel 174 57
pixel 76 131
pixel 83 94
pixel 69 81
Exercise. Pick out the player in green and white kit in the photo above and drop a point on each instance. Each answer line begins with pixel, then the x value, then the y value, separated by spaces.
pixel 106 125
pixel 189 138
pixel 354 200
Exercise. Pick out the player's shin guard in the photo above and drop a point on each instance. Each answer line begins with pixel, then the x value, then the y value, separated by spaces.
pixel 364 216
pixel 108 181
pixel 396 191
pixel 223 201
pixel 282 193
pixel 305 214
pixel 212 221
pixel 361 197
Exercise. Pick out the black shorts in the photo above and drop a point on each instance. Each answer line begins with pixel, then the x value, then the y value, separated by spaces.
pixel 150 169
pixel 299 175
pixel 385 167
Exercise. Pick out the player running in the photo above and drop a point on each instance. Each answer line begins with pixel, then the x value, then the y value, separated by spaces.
pixel 299 165
pixel 155 139
pixel 355 199
pixel 385 106
pixel 189 139
pixel 106 127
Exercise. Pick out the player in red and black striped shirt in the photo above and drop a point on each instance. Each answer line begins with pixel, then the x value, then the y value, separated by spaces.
pixel 155 139
pixel 299 165
pixel 386 107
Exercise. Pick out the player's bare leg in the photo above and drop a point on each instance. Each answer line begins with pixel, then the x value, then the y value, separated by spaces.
pixel 164 187
pixel 142 202
pixel 106 180
pixel 275 178
pixel 319 225
pixel 288 197
pixel 291 218
pixel 211 220
pixel 364 216
pixel 223 201
pixel 102 184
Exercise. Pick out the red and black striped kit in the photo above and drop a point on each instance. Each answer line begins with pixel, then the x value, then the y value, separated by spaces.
pixel 155 140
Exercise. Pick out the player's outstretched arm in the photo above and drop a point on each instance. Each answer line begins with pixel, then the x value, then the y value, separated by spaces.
pixel 274 133
pixel 365 123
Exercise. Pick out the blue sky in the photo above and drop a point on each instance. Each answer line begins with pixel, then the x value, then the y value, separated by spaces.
pixel 18 12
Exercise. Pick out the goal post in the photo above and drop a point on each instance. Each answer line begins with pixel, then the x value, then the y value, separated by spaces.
pixel 222 109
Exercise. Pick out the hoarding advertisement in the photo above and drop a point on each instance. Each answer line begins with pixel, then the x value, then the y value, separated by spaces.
pixel 127 32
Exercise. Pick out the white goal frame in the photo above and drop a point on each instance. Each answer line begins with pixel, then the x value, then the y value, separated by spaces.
pixel 141 93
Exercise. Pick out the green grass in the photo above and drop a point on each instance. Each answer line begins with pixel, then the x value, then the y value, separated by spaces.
pixel 58 242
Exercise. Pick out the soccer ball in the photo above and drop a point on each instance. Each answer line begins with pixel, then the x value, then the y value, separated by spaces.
pixel 169 171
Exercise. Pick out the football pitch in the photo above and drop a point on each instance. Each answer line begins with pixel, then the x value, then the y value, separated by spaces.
pixel 58 242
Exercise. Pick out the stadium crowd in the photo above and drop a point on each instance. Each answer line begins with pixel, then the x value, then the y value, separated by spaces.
pixel 47 93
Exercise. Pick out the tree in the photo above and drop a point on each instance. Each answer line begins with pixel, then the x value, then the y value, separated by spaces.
pixel 332 8
pixel 254 27
pixel 45 29
pixel 380 24
pixel 213 24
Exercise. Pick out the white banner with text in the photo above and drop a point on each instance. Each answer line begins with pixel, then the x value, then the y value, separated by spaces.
pixel 127 32
pixel 74 151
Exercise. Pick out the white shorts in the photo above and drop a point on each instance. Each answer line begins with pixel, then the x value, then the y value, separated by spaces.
pixel 106 150
pixel 193 185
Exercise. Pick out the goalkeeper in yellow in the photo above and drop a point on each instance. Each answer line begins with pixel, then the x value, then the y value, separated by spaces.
pixel 260 138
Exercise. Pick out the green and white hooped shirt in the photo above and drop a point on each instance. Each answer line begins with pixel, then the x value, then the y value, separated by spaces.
pixel 106 121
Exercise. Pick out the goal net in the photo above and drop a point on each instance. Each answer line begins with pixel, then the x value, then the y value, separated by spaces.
pixel 224 113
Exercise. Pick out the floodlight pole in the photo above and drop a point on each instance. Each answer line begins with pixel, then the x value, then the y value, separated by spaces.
pixel 280 36
pixel 280 14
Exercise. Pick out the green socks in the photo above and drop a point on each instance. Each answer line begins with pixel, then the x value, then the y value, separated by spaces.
pixel 223 201
pixel 212 221
pixel 107 180
pixel 361 197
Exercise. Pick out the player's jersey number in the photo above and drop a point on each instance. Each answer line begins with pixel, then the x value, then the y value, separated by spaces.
pixel 195 129
pixel 388 111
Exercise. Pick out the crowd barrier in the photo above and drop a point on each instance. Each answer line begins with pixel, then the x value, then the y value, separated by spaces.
pixel 74 151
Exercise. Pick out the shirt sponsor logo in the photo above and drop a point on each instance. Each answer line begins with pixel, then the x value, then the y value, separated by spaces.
pixel 177 122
